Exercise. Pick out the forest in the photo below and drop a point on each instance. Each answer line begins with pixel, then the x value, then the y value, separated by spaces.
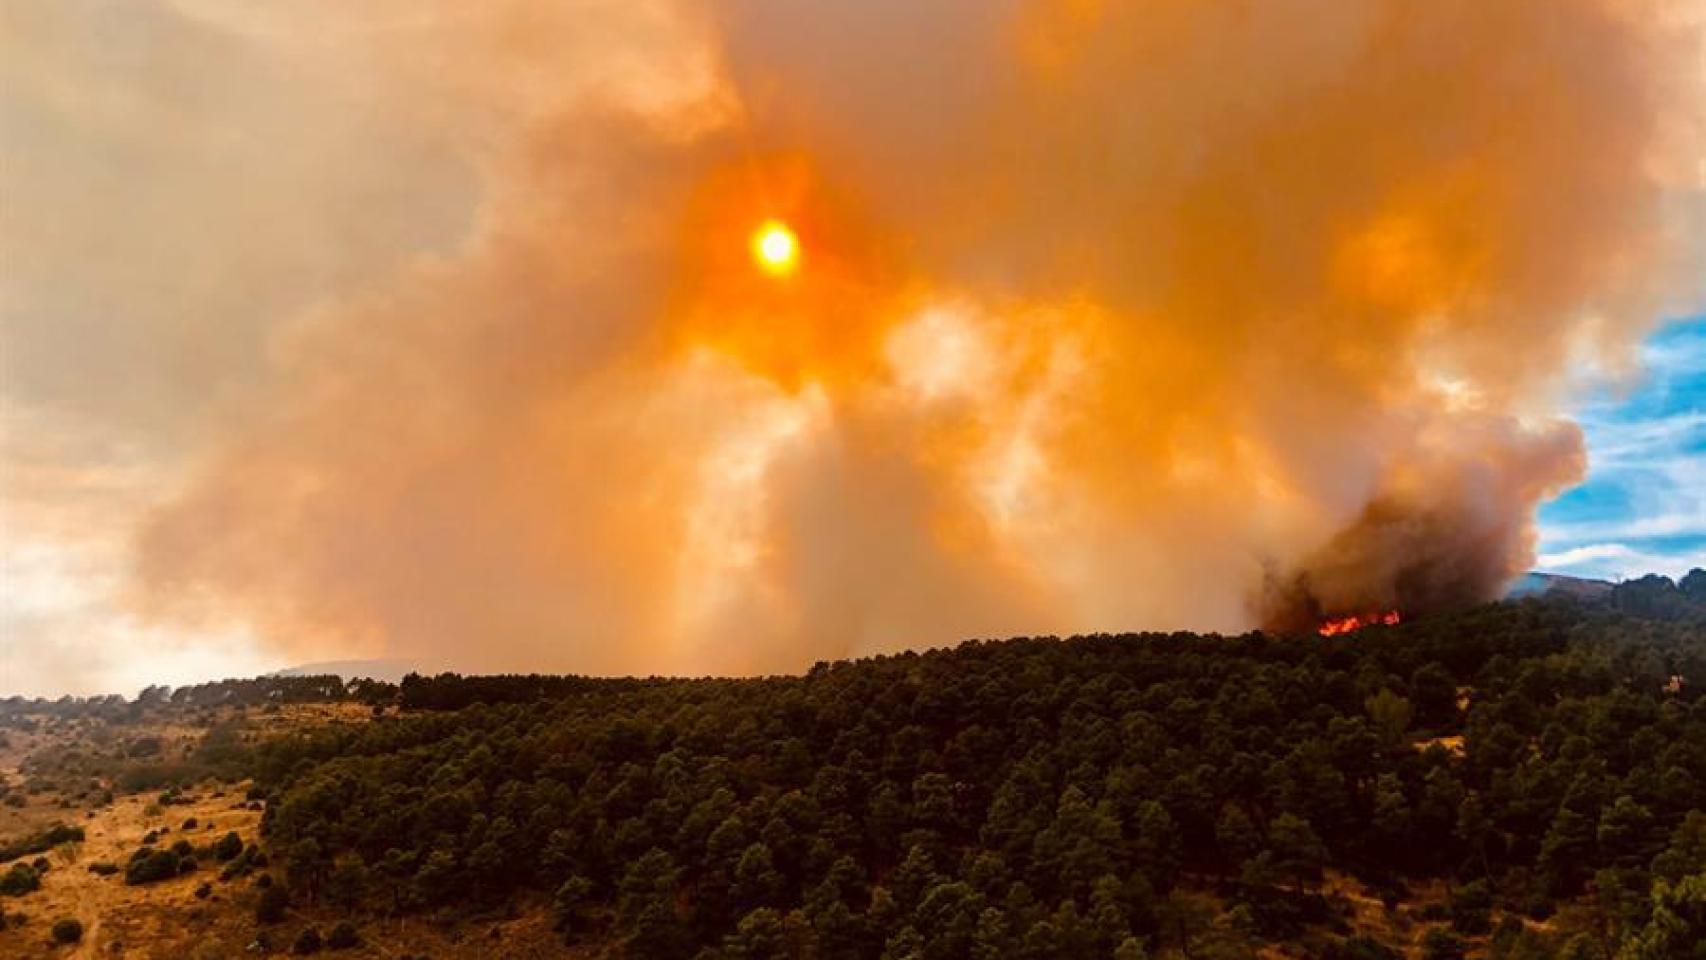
pixel 1539 765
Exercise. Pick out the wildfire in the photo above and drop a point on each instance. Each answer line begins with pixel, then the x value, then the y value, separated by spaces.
pixel 1340 625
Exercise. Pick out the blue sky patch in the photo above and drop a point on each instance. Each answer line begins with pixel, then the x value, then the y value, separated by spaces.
pixel 1642 508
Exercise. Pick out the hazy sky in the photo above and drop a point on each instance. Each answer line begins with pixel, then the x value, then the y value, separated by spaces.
pixel 426 329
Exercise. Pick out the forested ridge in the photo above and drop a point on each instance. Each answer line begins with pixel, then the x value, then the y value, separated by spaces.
pixel 1542 762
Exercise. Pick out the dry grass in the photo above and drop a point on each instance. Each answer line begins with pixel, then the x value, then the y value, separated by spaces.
pixel 165 920
pixel 120 920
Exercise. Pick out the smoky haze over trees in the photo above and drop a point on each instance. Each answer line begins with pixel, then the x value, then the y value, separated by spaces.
pixel 1106 796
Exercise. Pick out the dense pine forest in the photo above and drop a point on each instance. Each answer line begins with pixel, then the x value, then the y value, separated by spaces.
pixel 1533 773
pixel 1521 779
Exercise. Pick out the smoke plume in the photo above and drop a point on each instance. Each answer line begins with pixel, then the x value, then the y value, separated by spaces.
pixel 1161 314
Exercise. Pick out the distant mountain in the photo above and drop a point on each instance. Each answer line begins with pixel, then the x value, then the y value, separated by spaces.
pixel 389 671
pixel 1535 584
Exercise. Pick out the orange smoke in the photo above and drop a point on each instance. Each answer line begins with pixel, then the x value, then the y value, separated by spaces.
pixel 1105 316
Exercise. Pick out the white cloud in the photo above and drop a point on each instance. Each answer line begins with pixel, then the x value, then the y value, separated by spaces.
pixel 1616 561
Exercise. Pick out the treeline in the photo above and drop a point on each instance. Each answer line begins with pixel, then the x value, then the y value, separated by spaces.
pixel 259 691
pixel 1040 799
pixel 22 712
pixel 451 691
pixel 1656 596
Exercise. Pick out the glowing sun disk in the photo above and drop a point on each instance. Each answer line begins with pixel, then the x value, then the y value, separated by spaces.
pixel 775 248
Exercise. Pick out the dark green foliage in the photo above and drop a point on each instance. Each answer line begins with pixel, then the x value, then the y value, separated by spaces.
pixel 245 863
pixel 102 869
pixel 343 937
pixel 1032 798
pixel 273 902
pixel 1363 948
pixel 569 906
pixel 1678 925
pixel 19 880
pixel 1434 693
pixel 149 746
pixel 1656 596
pixel 228 847
pixel 1471 908
pixel 449 691
pixel 347 882
pixel 307 942
pixel 41 842
pixel 1440 944
pixel 67 930
pixel 150 866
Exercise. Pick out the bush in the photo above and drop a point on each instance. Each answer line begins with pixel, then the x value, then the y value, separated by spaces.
pixel 308 941
pixel 272 904
pixel 103 869
pixel 19 880
pixel 1471 908
pixel 41 842
pixel 343 937
pixel 1362 948
pixel 228 847
pixel 190 824
pixel 151 867
pixel 68 930
pixel 1442 944
pixel 143 747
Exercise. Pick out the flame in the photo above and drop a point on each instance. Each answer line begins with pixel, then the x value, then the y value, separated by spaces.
pixel 1340 625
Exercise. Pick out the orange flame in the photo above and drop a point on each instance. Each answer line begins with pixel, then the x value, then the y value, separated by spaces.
pixel 1341 625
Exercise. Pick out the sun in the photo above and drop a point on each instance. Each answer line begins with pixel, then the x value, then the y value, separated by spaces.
pixel 775 248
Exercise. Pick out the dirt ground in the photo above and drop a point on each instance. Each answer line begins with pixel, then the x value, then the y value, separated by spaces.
pixel 131 921
pixel 166 920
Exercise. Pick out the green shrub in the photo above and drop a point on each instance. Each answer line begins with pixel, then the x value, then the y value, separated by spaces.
pixel 68 930
pixel 228 847
pixel 152 867
pixel 343 937
pixel 272 904
pixel 308 941
pixel 1442 944
pixel 41 842
pixel 1471 908
pixel 19 880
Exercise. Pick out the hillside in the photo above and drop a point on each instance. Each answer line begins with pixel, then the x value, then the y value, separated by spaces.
pixel 1525 779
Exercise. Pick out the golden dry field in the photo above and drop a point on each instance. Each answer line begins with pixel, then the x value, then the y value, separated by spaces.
pixel 198 915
